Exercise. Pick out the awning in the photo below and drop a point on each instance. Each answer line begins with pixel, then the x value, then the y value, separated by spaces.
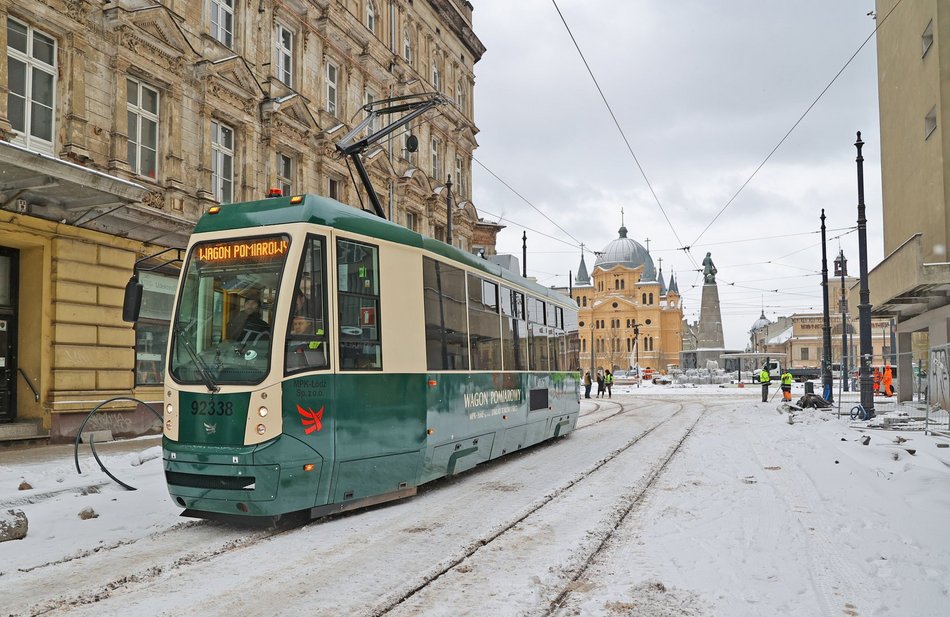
pixel 50 188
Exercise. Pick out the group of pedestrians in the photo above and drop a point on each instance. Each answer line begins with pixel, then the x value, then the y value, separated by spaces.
pixel 605 382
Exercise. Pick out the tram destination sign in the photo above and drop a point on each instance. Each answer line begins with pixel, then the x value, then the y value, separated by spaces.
pixel 243 250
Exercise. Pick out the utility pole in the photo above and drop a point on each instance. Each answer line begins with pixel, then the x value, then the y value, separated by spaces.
pixel 864 306
pixel 827 392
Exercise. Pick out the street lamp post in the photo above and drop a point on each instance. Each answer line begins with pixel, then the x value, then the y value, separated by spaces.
pixel 592 373
pixel 827 390
pixel 864 304
pixel 636 351
pixel 841 269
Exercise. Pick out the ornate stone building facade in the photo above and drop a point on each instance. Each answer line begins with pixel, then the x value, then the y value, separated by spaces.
pixel 122 121
pixel 626 312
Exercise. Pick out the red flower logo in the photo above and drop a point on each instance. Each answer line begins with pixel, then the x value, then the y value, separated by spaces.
pixel 312 420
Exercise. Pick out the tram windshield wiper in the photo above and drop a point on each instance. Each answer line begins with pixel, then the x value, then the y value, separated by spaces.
pixel 203 369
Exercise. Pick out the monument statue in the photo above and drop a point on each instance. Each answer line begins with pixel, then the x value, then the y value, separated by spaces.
pixel 709 269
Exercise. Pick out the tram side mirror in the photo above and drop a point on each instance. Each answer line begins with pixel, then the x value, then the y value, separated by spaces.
pixel 132 303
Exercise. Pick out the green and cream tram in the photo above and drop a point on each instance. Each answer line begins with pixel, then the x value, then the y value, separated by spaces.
pixel 323 359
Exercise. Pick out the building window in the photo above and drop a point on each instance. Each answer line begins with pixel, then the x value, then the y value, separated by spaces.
pixel 406 46
pixel 436 77
pixel 804 352
pixel 285 54
pixel 460 96
pixel 333 188
pixel 585 300
pixel 439 233
pixel 222 162
pixel 436 161
pixel 930 122
pixel 331 79
pixel 371 18
pixel 151 330
pixel 927 38
pixel 370 97
pixel 285 174
pixel 412 221
pixel 31 64
pixel 459 177
pixel 222 21
pixel 143 128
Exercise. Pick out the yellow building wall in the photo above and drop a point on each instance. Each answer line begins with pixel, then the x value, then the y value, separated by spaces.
pixel 72 343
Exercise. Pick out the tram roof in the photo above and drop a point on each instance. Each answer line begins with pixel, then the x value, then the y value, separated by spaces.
pixel 331 213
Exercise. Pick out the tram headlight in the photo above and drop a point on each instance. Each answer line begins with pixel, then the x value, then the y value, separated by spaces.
pixel 168 424
pixel 169 409
pixel 261 429
pixel 262 412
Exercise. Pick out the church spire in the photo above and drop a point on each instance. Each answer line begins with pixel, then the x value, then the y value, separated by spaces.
pixel 582 278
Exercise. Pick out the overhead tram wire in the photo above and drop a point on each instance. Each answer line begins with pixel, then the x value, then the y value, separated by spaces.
pixel 522 197
pixel 620 130
pixel 534 231
pixel 880 22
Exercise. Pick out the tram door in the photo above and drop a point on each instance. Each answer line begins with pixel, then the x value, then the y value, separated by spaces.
pixel 8 270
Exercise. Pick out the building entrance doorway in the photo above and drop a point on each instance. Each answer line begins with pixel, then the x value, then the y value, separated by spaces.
pixel 9 267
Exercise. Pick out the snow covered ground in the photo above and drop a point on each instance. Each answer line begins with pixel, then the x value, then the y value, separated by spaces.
pixel 666 501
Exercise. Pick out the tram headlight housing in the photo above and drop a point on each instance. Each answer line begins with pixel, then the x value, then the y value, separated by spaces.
pixel 261 429
pixel 262 412
pixel 169 409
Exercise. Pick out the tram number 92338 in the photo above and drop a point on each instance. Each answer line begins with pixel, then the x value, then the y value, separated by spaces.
pixel 211 408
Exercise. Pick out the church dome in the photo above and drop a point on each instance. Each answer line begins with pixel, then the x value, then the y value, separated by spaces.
pixel 627 252
pixel 761 322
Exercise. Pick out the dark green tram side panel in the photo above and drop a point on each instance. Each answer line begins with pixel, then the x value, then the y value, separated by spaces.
pixel 480 416
pixel 373 431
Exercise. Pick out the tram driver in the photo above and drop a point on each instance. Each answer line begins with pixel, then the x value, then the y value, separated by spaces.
pixel 247 326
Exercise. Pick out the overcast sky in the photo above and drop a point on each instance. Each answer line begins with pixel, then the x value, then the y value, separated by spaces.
pixel 703 92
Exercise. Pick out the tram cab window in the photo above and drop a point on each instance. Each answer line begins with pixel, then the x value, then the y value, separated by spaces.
pixel 306 342
pixel 358 301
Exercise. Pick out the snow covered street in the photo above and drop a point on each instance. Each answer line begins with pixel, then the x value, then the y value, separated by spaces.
pixel 665 501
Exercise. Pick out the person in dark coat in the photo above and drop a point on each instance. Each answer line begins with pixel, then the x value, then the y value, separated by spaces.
pixel 587 384
pixel 600 384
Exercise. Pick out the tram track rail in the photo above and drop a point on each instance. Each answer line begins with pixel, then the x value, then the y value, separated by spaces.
pixel 499 532
pixel 633 503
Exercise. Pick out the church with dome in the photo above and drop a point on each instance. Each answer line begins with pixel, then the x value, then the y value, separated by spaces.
pixel 626 311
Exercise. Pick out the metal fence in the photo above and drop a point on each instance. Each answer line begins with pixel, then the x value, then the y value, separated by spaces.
pixel 937 390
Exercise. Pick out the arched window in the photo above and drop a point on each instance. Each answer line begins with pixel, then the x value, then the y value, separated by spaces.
pixel 616 283
pixel 651 297
pixel 436 77
pixel 371 17
pixel 585 300
pixel 622 284
pixel 406 46
pixel 644 298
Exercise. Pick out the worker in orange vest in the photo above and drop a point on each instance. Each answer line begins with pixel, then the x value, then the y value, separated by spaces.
pixel 888 381
pixel 877 380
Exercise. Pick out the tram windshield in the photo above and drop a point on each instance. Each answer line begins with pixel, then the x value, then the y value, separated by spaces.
pixel 222 332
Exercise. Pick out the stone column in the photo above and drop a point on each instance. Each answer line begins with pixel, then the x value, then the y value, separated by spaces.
pixel 74 105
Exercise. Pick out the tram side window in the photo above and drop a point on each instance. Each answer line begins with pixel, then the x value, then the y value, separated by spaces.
pixel 151 331
pixel 445 315
pixel 485 331
pixel 572 361
pixel 306 342
pixel 539 359
pixel 514 331
pixel 358 288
